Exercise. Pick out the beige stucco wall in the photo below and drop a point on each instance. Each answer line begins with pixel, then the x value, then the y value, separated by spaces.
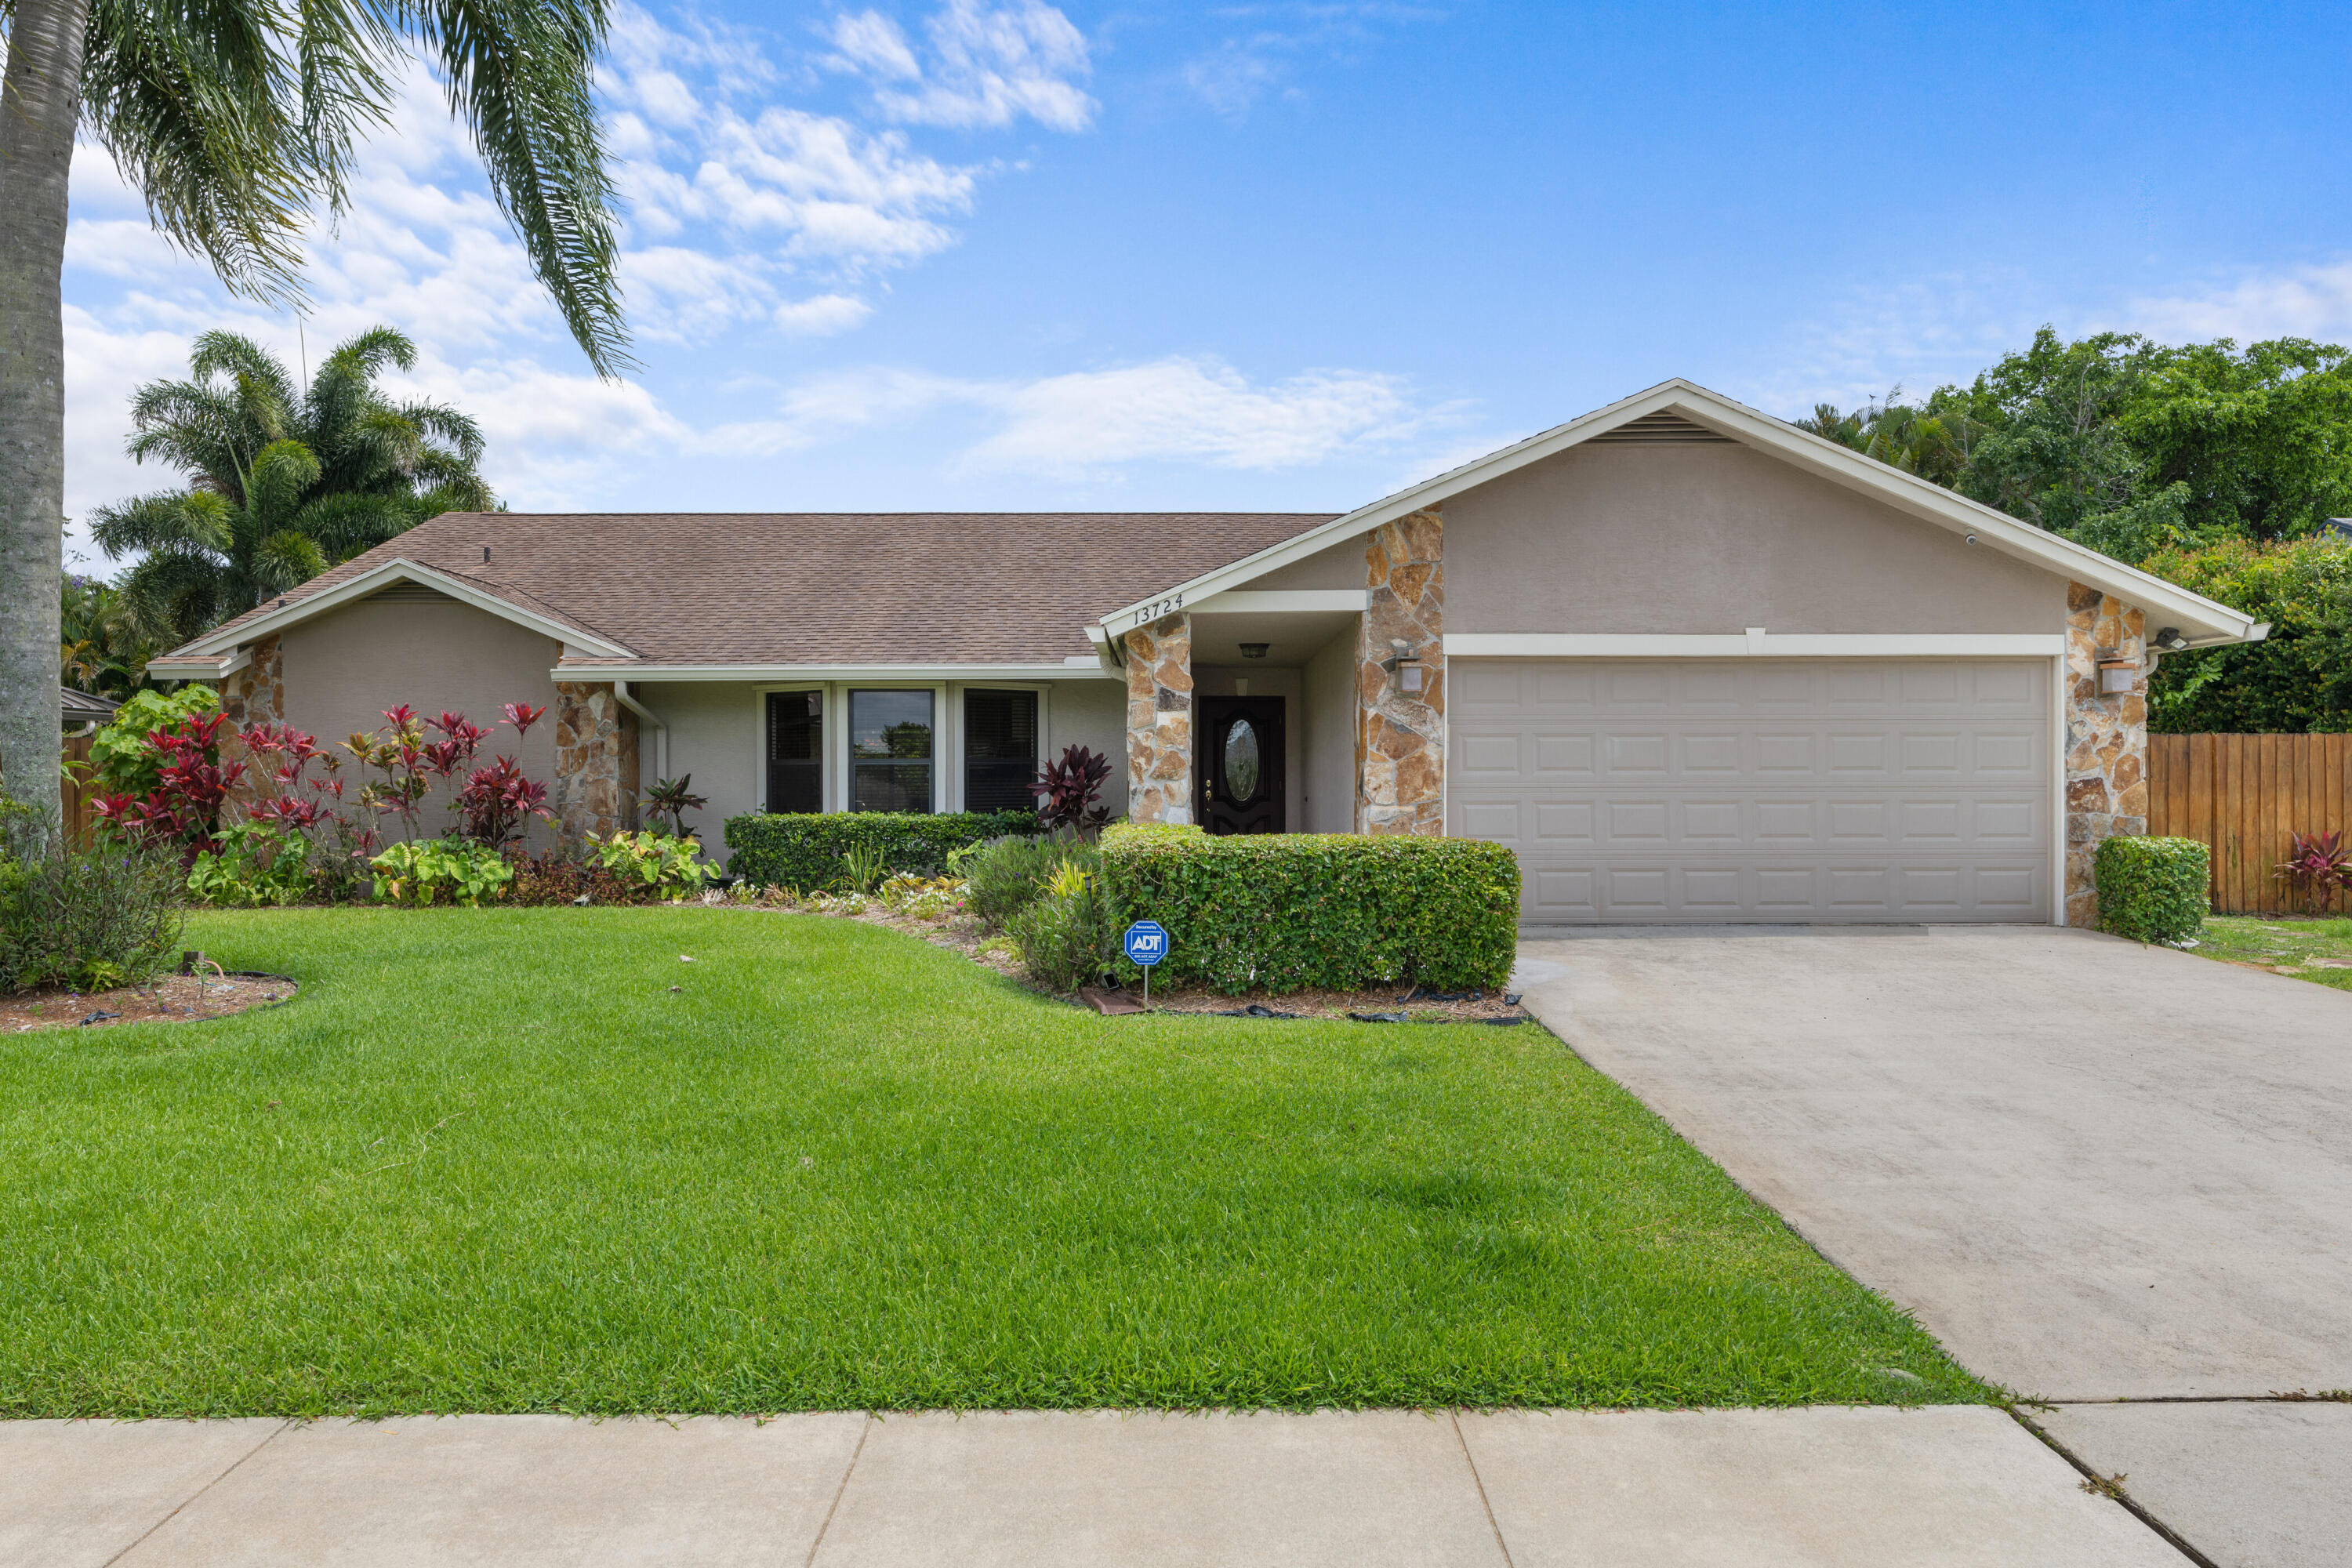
pixel 1715 539
pixel 1328 741
pixel 344 669
pixel 1338 565
pixel 1091 713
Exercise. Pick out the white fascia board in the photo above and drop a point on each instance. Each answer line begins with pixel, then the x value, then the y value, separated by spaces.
pixel 400 569
pixel 1754 645
pixel 1280 601
pixel 643 671
pixel 1924 498
pixel 217 668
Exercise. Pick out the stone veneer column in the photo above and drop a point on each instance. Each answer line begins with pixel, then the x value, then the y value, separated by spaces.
pixel 1400 735
pixel 1160 721
pixel 2107 738
pixel 254 695
pixel 595 788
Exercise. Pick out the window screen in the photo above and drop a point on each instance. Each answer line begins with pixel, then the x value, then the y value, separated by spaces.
pixel 1000 750
pixel 891 750
pixel 796 751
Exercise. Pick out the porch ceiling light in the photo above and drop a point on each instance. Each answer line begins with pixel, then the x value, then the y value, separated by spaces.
pixel 1254 650
pixel 1404 664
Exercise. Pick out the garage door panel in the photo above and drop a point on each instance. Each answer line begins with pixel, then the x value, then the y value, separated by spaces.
pixel 1761 789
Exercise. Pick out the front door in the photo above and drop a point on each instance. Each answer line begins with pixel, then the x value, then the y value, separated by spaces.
pixel 1240 765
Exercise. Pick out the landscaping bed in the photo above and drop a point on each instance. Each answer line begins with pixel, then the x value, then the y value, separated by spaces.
pixel 513 1160
pixel 168 998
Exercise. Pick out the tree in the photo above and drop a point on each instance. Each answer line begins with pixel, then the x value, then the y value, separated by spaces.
pixel 287 482
pixel 103 647
pixel 237 120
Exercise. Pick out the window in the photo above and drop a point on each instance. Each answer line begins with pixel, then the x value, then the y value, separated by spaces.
pixel 795 750
pixel 891 750
pixel 1000 750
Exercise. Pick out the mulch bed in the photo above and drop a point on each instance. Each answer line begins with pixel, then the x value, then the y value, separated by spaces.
pixel 168 999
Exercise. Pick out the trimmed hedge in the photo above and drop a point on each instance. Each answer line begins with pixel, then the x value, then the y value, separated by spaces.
pixel 1340 911
pixel 2152 890
pixel 802 850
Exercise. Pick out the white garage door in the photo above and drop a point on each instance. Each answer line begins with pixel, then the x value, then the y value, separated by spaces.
pixel 1760 789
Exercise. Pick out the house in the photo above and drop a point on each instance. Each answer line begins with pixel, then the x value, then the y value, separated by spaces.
pixel 1690 662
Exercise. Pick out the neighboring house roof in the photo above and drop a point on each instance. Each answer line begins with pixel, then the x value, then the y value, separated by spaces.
pixel 85 707
pixel 638 591
pixel 2203 619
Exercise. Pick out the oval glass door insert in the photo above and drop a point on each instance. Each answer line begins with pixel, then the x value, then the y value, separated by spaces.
pixel 1240 761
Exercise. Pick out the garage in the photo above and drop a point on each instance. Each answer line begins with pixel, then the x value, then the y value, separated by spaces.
pixel 1761 789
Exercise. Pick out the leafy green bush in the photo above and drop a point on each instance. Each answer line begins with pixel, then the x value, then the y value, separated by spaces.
pixel 1331 911
pixel 2152 890
pixel 90 919
pixel 2299 680
pixel 664 865
pixel 1068 934
pixel 256 865
pixel 426 872
pixel 1005 877
pixel 121 760
pixel 802 850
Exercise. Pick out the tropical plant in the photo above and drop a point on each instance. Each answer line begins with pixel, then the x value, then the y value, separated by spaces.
pixel 285 481
pixel 670 798
pixel 1006 875
pixel 192 781
pixel 252 864
pixel 2316 867
pixel 492 803
pixel 123 760
pixel 1067 794
pixel 420 874
pixel 862 866
pixel 235 123
pixel 663 863
pixel 87 919
pixel 103 645
pixel 1068 934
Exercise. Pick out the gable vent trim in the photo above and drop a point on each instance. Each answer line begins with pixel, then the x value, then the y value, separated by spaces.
pixel 1661 429
pixel 412 594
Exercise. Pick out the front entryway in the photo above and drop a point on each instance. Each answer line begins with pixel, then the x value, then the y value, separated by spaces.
pixel 1240 766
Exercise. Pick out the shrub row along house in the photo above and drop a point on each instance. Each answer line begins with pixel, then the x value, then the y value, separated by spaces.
pixel 1689 662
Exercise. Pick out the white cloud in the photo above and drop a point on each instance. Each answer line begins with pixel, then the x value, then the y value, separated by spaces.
pixel 1245 65
pixel 2308 302
pixel 821 315
pixel 985 65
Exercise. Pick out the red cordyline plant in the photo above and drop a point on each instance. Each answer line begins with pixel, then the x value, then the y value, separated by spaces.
pixel 2316 866
pixel 492 801
pixel 183 809
pixel 1066 795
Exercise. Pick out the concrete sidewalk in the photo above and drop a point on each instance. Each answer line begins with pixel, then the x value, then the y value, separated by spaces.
pixel 1949 1484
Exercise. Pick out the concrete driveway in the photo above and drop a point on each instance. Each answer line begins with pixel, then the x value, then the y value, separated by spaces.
pixel 2098 1172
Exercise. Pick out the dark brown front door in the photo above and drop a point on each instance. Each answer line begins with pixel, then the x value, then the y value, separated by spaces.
pixel 1240 764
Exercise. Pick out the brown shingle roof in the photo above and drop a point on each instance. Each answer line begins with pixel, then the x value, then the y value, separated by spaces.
pixel 828 587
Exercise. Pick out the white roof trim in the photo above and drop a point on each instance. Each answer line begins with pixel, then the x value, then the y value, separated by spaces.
pixel 400 569
pixel 2167 603
pixel 647 670
pixel 219 667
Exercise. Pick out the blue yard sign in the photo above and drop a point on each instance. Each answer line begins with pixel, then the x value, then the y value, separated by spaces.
pixel 1147 944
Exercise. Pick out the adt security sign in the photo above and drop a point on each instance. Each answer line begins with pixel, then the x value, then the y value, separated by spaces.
pixel 1147 944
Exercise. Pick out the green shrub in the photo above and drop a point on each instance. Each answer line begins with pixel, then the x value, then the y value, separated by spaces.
pixel 803 850
pixel 424 872
pixel 256 865
pixel 1004 877
pixel 1330 910
pixel 664 865
pixel 1068 934
pixel 2152 890
pixel 121 760
pixel 92 918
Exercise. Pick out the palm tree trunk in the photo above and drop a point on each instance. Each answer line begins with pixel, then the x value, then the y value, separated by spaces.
pixel 39 103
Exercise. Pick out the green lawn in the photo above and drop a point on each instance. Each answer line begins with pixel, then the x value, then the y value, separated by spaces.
pixel 2317 950
pixel 491 1160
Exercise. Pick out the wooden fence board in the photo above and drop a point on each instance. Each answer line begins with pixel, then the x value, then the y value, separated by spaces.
pixel 2246 796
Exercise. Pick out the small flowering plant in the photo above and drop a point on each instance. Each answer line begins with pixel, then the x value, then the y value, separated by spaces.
pixel 2316 868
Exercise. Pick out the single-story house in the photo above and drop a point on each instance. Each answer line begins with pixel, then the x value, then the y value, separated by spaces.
pixel 1690 662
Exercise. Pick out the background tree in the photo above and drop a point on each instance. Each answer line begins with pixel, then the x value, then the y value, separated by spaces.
pixel 286 481
pixel 103 647
pixel 235 121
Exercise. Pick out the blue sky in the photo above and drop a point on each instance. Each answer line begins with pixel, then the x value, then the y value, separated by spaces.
pixel 989 253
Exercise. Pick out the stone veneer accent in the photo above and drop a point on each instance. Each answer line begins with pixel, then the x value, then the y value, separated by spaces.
pixel 595 784
pixel 1160 721
pixel 2107 740
pixel 1400 736
pixel 254 695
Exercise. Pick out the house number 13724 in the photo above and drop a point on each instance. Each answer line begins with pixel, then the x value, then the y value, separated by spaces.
pixel 1158 607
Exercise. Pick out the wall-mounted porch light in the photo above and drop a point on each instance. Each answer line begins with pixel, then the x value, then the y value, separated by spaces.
pixel 1404 664
pixel 2169 640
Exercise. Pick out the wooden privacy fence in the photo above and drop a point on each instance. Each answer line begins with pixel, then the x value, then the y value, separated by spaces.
pixel 77 791
pixel 2245 796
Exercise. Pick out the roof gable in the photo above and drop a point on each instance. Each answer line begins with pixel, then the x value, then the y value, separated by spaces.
pixel 1681 412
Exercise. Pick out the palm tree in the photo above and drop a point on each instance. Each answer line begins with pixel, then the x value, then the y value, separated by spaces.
pixel 285 483
pixel 236 119
pixel 103 647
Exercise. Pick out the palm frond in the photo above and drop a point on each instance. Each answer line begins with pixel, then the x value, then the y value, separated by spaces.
pixel 287 559
pixel 280 475
pixel 346 525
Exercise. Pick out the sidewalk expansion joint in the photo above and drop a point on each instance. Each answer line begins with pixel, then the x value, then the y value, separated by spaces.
pixel 2095 1482
pixel 834 1507
pixel 182 1504
pixel 1480 1482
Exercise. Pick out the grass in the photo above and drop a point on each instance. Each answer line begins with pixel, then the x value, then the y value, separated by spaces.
pixel 2307 949
pixel 529 1159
